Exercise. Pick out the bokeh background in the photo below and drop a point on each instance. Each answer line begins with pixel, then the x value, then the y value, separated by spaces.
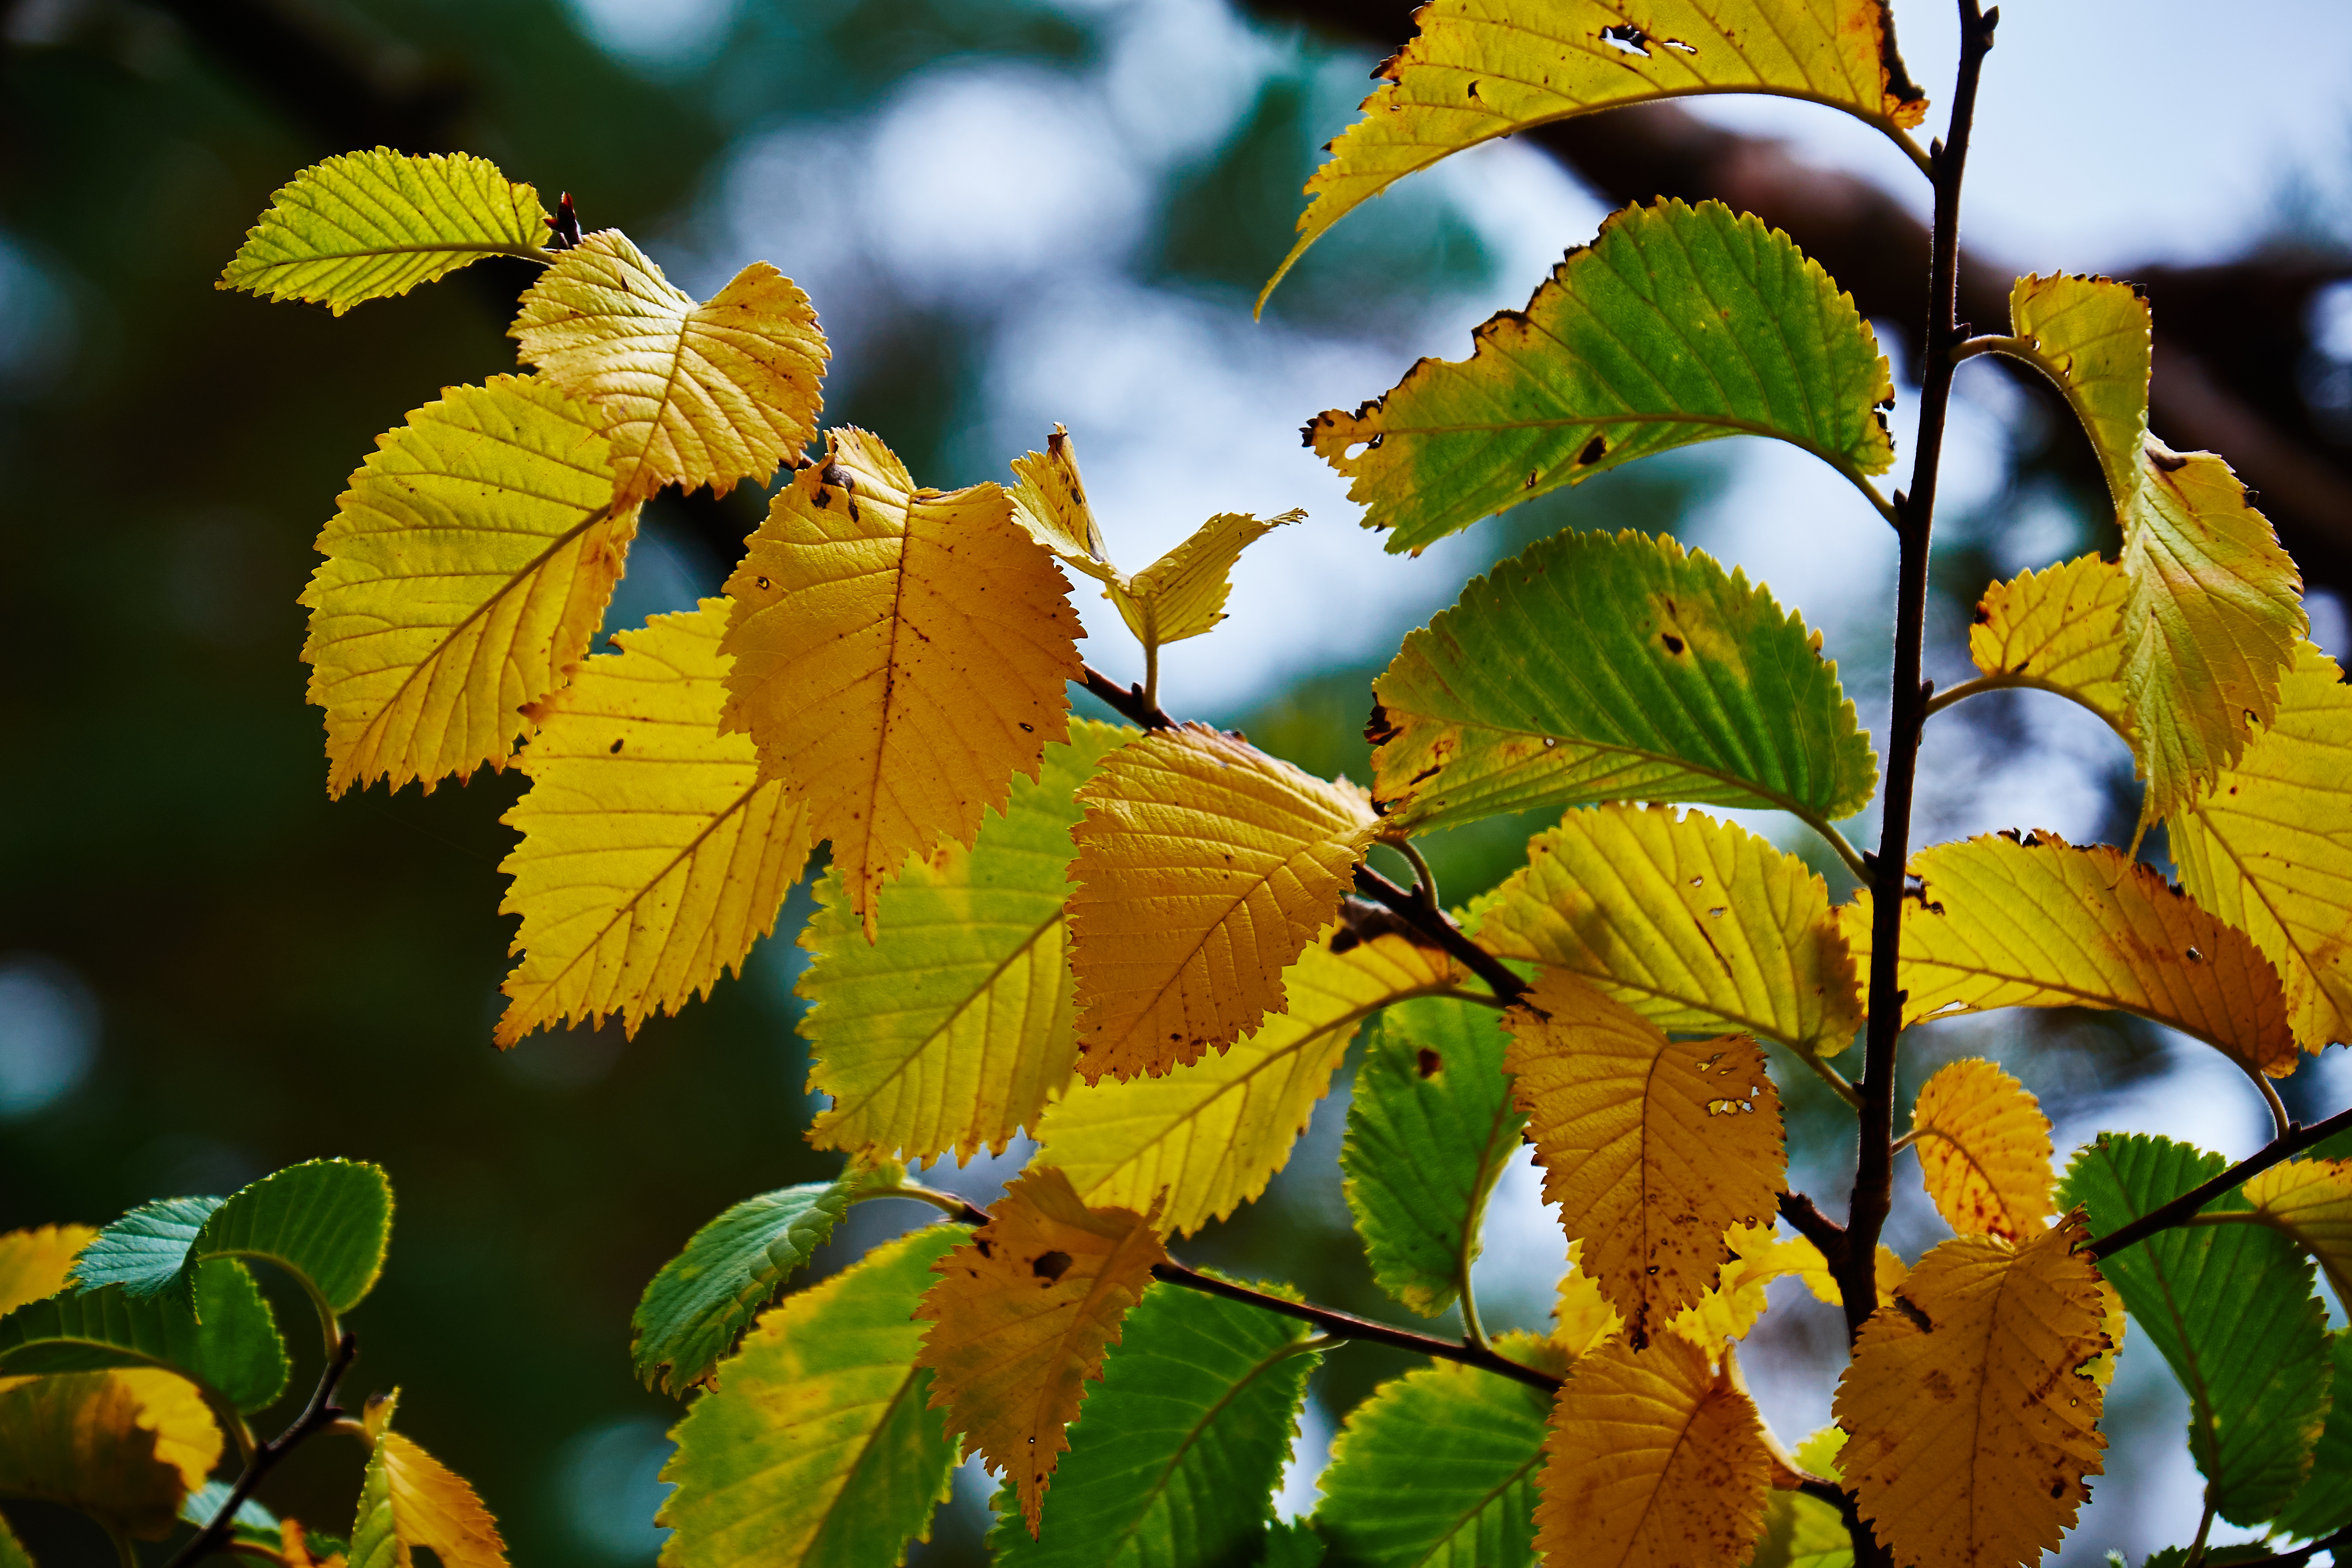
pixel 1009 213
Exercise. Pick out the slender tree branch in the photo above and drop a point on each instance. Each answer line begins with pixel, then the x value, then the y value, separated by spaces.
pixel 322 1412
pixel 1815 1227
pixel 2166 1216
pixel 1127 701
pixel 1439 928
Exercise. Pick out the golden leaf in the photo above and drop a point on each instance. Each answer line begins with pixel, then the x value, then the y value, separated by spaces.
pixel 2092 336
pixel 2037 922
pixel 1984 1151
pixel 409 1499
pixel 467 568
pixel 1022 1316
pixel 2311 1200
pixel 1887 1273
pixel 1654 1459
pixel 1204 869
pixel 1049 502
pixel 123 1447
pixel 900 655
pixel 653 855
pixel 1652 1149
pixel 1582 1315
pixel 2060 629
pixel 1970 1424
pixel 690 395
pixel 1737 1299
pixel 36 1263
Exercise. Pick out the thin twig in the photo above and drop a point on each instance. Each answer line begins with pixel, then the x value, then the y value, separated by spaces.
pixel 2166 1216
pixel 1439 927
pixel 1129 701
pixel 1838 1083
pixel 1815 1227
pixel 1424 880
pixel 320 1413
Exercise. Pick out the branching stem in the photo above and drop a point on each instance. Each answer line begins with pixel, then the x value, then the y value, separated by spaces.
pixel 1424 880
pixel 319 1413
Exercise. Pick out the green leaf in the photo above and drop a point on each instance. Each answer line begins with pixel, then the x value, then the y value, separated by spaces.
pixel 816 1448
pixel 1678 324
pixel 13 1555
pixel 142 1251
pixel 1431 1128
pixel 1596 667
pixel 252 1521
pixel 2325 1503
pixel 954 1027
pixel 2231 1306
pixel 227 1343
pixel 1176 1455
pixel 1289 1543
pixel 696 1308
pixel 1802 1532
pixel 326 1222
pixel 368 225
pixel 1437 1469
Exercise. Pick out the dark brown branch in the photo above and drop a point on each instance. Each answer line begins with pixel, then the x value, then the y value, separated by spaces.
pixel 1127 701
pixel 319 1413
pixel 2180 1209
pixel 1815 1227
pixel 1439 927
pixel 2335 1543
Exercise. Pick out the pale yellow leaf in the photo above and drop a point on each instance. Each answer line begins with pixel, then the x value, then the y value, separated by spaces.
pixel 468 566
pixel 122 1447
pixel 1204 869
pixel 408 1500
pixel 1207 1138
pixel 1971 1425
pixel 1654 1459
pixel 1049 502
pixel 1984 1151
pixel 1652 1149
pixel 689 393
pixel 1182 593
pixel 1021 1318
pixel 1887 1273
pixel 652 855
pixel 2037 922
pixel 2091 335
pixel 1737 1299
pixel 2311 1200
pixel 2060 629
pixel 1582 1315
pixel 900 655
pixel 35 1263
pixel 1694 924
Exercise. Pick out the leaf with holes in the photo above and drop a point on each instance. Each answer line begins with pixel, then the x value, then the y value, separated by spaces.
pixel 2060 629
pixel 1984 1151
pixel 122 1447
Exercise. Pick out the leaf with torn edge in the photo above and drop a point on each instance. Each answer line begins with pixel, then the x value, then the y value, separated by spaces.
pixel 2060 629
pixel 1984 1151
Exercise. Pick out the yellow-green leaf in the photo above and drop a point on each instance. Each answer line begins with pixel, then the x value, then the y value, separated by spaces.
pixel 1984 1151
pixel 652 855
pixel 689 393
pixel 1654 1458
pixel 467 568
pixel 1207 1138
pixel 2311 1200
pixel 1204 869
pixel 366 225
pixel 122 1447
pixel 2092 336
pixel 1182 593
pixel 1972 1424
pixel 2037 922
pixel 1478 69
pixel 409 1499
pixel 900 655
pixel 1049 502
pixel 2060 629
pixel 1022 1316
pixel 1652 1149
pixel 1694 924
pixel 36 1263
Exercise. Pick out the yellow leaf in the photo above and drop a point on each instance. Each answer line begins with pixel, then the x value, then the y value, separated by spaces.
pixel 1182 593
pixel 1737 1299
pixel 900 655
pixel 2091 335
pixel 2269 848
pixel 1887 1273
pixel 1204 868
pixel 1984 1151
pixel 1652 1460
pixel 408 1500
pixel 1479 69
pixel 35 1263
pixel 1582 1315
pixel 1207 1138
pixel 1652 1149
pixel 652 855
pixel 2037 922
pixel 2060 629
pixel 1970 1427
pixel 690 395
pixel 467 568
pixel 1691 922
pixel 1022 1316
pixel 122 1447
pixel 1049 502
pixel 2311 1200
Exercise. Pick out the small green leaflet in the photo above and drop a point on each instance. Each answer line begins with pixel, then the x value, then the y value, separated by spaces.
pixel 142 1251
pixel 694 1310
pixel 1176 1455
pixel 1430 1129
pixel 2325 1503
pixel 252 1522
pixel 2232 1309
pixel 227 1343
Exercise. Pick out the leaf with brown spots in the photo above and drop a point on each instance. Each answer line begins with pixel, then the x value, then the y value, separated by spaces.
pixel 1984 1151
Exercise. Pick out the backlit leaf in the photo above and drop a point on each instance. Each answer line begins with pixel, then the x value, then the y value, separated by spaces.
pixel 1022 1316
pixel 2038 922
pixel 1582 1315
pixel 1430 1129
pixel 1204 869
pixel 409 1499
pixel 1888 1272
pixel 1209 1136
pixel 816 1448
pixel 2060 629
pixel 2311 1200
pixel 1678 324
pixel 39 1262
pixel 1984 1151
pixel 1478 69
pixel 900 655
pixel 1802 1531
pixel 367 225
pixel 1437 1469
pixel 690 394
pixel 1049 502
pixel 1694 923
pixel 696 1308
pixel 467 568
pixel 251 1522
pixel 142 1251
pixel 1737 1299
pixel 1971 1429
pixel 2325 1503
pixel 1595 666
pixel 2091 335
pixel 122 1447
pixel 653 855
pixel 1652 1149
pixel 952 1029
pixel 2231 1307
pixel 326 1222
pixel 226 1340
pixel 1176 1457
pixel 1654 1459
